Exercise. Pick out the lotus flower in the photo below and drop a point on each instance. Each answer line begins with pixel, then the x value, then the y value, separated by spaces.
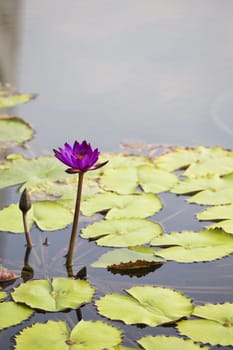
pixel 79 158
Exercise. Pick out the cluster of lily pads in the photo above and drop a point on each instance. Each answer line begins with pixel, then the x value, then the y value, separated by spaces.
pixel 126 195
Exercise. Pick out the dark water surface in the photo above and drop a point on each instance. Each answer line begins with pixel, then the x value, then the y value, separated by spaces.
pixel 149 71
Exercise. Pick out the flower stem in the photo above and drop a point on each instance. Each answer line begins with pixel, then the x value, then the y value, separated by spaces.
pixel 70 253
pixel 27 232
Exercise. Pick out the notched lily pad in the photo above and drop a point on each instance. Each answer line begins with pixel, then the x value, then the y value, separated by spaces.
pixel 127 180
pixel 56 295
pixel 169 343
pixel 14 130
pixel 135 261
pixel 198 161
pixel 85 335
pixel 216 213
pixel 215 327
pixel 122 206
pixel 47 215
pixel 122 232
pixel 13 314
pixel 188 246
pixel 9 97
pixel 145 305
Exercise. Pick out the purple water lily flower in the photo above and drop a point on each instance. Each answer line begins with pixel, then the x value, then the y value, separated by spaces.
pixel 79 158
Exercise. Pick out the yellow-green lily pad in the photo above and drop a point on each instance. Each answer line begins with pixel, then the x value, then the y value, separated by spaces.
pixel 122 206
pixel 86 335
pixel 9 97
pixel 122 232
pixel 168 343
pixel 215 326
pixel 149 305
pixel 56 295
pixel 188 246
pixel 14 130
pixel 13 314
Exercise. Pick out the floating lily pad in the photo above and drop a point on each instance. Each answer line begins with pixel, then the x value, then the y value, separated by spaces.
pixel 14 130
pixel 58 294
pixel 3 295
pixel 125 255
pixel 199 161
pixel 13 314
pixel 120 160
pixel 47 215
pixel 145 304
pixel 9 97
pixel 122 232
pixel 187 246
pixel 168 343
pixel 218 213
pixel 122 206
pixel 126 180
pixel 85 335
pixel 215 327
pixel 31 172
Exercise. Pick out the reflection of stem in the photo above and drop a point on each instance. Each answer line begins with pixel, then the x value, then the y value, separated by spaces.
pixel 27 270
pixel 75 222
pixel 26 230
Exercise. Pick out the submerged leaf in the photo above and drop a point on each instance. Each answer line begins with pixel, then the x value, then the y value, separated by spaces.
pixel 168 343
pixel 215 327
pixel 13 314
pixel 122 232
pixel 122 206
pixel 58 294
pixel 145 304
pixel 85 335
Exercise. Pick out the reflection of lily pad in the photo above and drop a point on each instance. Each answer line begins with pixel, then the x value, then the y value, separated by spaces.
pixel 122 232
pixel 122 206
pixel 126 180
pixel 215 327
pixel 58 294
pixel 85 335
pixel 199 161
pixel 14 130
pixel 187 246
pixel 168 343
pixel 13 314
pixel 145 304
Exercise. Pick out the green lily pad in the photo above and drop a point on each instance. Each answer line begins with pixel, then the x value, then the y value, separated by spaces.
pixel 14 130
pixel 199 161
pixel 218 213
pixel 47 215
pixel 85 335
pixel 9 97
pixel 58 294
pixel 122 206
pixel 13 314
pixel 149 305
pixel 122 232
pixel 215 327
pixel 31 172
pixel 187 246
pixel 120 160
pixel 3 295
pixel 126 180
pixel 125 255
pixel 168 343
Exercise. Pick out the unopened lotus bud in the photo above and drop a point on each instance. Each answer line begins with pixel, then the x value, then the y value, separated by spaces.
pixel 25 201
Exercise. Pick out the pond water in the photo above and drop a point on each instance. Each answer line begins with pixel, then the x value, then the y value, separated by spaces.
pixel 141 72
